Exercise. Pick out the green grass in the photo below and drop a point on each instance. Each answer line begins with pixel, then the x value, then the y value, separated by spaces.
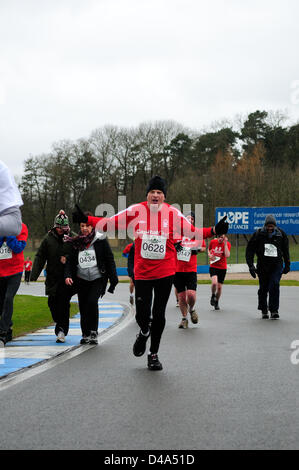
pixel 250 282
pixel 121 261
pixel 32 313
pixel 241 282
pixel 294 253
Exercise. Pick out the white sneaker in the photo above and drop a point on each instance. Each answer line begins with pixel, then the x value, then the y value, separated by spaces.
pixel 60 337
pixel 184 323
pixel 2 344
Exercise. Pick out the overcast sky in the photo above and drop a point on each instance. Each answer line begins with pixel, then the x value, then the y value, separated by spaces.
pixel 68 67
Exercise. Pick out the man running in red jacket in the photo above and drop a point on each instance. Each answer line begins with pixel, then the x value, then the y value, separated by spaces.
pixel 155 225
pixel 185 279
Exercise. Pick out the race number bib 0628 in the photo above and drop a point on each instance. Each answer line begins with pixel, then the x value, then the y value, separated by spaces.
pixel 153 247
pixel 184 254
pixel 5 252
pixel 270 250
pixel 87 259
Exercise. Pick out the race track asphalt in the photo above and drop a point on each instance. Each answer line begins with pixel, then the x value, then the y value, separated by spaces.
pixel 227 383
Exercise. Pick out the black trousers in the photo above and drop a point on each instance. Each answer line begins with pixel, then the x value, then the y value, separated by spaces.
pixel 269 283
pixel 59 305
pixel 88 296
pixel 9 286
pixel 151 300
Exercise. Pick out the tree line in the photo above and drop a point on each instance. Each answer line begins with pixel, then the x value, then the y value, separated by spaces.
pixel 251 163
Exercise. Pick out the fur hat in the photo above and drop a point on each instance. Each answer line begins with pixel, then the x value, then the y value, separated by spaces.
pixel 156 182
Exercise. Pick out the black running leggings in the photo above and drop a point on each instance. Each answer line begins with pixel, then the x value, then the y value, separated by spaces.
pixel 88 296
pixel 154 292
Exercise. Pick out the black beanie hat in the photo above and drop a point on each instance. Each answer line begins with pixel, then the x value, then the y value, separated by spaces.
pixel 270 219
pixel 156 182
pixel 192 215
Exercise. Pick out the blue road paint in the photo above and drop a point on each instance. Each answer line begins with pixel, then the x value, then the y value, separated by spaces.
pixel 28 350
pixel 112 315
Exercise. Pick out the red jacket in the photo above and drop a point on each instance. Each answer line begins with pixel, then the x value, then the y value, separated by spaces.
pixel 127 250
pixel 191 265
pixel 27 265
pixel 155 253
pixel 13 262
pixel 217 250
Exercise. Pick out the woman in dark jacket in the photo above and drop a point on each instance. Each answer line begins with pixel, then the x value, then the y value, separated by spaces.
pixel 90 265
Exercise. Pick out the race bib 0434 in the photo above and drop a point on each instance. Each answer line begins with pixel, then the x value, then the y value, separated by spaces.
pixel 87 259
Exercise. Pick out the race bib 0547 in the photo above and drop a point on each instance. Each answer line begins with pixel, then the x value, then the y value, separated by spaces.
pixel 184 254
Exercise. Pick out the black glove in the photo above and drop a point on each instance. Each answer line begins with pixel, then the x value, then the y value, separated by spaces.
pixel 79 216
pixel 252 271
pixel 222 227
pixel 286 269
pixel 111 289
pixel 178 246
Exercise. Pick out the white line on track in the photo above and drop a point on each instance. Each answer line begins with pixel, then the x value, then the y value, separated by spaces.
pixel 47 364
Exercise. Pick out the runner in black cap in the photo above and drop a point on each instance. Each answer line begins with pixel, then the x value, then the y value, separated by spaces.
pixel 156 225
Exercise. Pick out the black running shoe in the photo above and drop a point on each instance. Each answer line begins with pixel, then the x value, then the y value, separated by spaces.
pixel 274 315
pixel 3 338
pixel 213 300
pixel 153 362
pixel 140 344
pixel 265 315
pixel 9 335
pixel 93 337
pixel 85 339
pixel 216 305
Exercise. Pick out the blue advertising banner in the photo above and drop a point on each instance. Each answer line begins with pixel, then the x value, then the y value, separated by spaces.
pixel 246 220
